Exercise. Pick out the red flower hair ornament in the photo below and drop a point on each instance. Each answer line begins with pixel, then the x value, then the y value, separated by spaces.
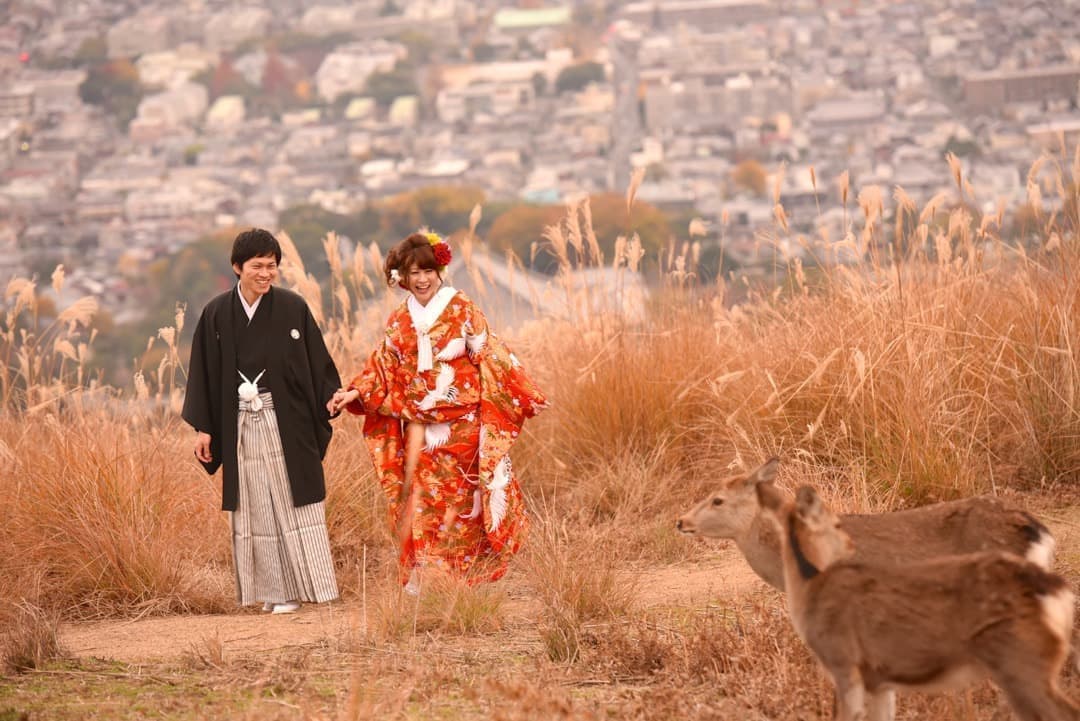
pixel 441 248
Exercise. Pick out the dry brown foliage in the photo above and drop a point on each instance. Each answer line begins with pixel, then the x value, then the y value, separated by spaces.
pixel 886 384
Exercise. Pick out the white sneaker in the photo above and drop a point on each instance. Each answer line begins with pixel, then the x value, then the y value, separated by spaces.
pixel 287 607
pixel 268 606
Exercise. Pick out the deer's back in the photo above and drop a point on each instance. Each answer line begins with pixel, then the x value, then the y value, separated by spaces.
pixel 953 527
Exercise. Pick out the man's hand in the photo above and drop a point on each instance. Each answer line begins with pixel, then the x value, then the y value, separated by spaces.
pixel 340 399
pixel 202 447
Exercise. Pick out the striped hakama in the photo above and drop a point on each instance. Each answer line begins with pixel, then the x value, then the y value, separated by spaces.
pixel 281 552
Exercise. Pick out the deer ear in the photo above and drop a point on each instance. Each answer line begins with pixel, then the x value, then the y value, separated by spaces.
pixel 808 504
pixel 765 473
pixel 769 496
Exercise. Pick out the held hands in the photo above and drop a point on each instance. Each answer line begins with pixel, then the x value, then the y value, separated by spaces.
pixel 340 399
pixel 202 447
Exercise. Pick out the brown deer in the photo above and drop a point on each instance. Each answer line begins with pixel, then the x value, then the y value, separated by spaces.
pixel 924 625
pixel 972 524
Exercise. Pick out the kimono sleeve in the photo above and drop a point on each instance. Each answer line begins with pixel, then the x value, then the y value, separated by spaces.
pixel 198 408
pixel 507 397
pixel 506 386
pixel 375 382
pixel 324 373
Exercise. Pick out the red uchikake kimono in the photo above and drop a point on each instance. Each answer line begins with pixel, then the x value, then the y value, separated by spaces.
pixel 469 512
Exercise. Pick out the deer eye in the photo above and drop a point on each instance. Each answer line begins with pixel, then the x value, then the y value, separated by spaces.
pixel 718 501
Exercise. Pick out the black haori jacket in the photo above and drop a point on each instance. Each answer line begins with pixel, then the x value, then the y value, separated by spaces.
pixel 300 375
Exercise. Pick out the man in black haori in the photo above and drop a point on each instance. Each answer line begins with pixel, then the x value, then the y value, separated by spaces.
pixel 258 385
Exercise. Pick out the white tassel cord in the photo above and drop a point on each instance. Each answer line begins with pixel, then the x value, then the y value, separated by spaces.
pixel 477 506
pixel 423 350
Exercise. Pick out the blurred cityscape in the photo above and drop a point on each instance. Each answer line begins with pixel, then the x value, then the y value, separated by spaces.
pixel 131 129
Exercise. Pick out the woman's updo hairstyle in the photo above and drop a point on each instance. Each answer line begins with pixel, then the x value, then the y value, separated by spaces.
pixel 420 250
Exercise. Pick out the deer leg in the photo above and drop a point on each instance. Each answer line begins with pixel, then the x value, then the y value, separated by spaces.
pixel 963 710
pixel 969 705
pixel 882 705
pixel 850 696
pixel 1034 696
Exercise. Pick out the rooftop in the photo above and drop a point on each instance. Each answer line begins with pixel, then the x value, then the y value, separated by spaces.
pixel 520 19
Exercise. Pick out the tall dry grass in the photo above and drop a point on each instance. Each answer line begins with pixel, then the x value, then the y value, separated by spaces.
pixel 103 523
pixel 942 364
pixel 445 604
pixel 573 572
pixel 29 638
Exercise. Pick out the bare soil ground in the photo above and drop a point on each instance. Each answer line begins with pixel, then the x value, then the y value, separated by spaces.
pixel 720 574
pixel 319 663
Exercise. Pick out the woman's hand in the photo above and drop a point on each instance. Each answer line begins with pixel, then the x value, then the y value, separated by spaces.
pixel 340 399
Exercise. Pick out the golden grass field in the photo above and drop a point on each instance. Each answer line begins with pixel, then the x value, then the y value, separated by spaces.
pixel 941 367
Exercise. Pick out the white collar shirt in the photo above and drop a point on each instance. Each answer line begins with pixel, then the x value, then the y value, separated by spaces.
pixel 249 309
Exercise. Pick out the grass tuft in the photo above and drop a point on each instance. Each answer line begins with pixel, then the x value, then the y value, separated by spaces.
pixel 30 638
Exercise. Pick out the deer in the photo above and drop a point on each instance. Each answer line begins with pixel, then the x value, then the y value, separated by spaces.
pixel 930 625
pixel 980 523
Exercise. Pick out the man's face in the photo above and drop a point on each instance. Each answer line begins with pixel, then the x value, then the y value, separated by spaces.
pixel 257 274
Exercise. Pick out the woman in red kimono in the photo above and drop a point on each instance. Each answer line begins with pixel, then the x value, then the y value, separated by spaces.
pixel 443 401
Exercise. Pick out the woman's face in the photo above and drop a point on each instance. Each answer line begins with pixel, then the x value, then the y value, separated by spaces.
pixel 423 283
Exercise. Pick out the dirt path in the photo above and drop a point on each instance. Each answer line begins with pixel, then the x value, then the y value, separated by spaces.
pixel 720 573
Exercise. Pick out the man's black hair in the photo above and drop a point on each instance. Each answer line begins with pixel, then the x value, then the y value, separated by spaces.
pixel 255 243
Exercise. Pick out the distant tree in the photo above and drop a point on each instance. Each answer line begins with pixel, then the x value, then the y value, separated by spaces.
pixel 420 46
pixel 281 83
pixel 522 226
pixel 1025 222
pixel 91 51
pixel 1071 210
pixel 657 171
pixel 192 275
pixel 525 48
pixel 750 175
pixel 575 77
pixel 399 215
pixel 960 148
pixel 610 221
pixel 292 40
pixel 385 87
pixel 519 227
pixel 276 78
pixel 590 14
pixel 482 52
pixel 225 79
pixel 714 262
pixel 446 208
pixel 539 83
pixel 115 87
pixel 307 225
pixel 363 226
pixel 192 152
pixel 492 211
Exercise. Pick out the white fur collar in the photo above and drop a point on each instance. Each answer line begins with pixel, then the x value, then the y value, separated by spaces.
pixel 425 316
